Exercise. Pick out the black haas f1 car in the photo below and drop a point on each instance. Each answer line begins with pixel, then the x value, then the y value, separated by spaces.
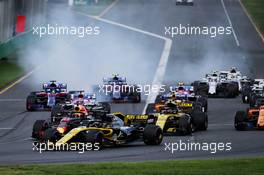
pixel 80 102
pixel 52 94
pixel 116 89
pixel 252 118
pixel 100 128
pixel 184 97
pixel 175 121
pixel 252 91
pixel 219 84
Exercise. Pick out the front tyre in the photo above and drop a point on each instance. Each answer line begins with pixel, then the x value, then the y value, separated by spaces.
pixel 152 135
pixel 95 138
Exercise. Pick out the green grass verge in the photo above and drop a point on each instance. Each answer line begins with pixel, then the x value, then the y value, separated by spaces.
pixel 93 9
pixel 250 166
pixel 9 71
pixel 256 10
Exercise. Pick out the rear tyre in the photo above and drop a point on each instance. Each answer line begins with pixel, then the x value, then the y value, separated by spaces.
pixel 38 129
pixel 106 106
pixel 200 121
pixel 137 98
pixel 95 138
pixel 54 113
pixel 185 126
pixel 152 135
pixel 30 103
pixel 50 135
pixel 240 121
pixel 204 103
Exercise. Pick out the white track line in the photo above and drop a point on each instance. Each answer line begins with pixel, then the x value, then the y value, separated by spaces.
pixel 16 82
pixel 224 124
pixel 230 23
pixel 6 128
pixel 12 100
pixel 159 74
pixel 107 9
pixel 251 20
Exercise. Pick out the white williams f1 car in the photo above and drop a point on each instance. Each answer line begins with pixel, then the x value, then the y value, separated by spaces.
pixel 220 84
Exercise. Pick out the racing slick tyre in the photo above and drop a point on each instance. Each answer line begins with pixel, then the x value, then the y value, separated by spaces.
pixel 232 90
pixel 54 113
pixel 252 101
pixel 30 102
pixel 240 121
pixel 150 108
pixel 51 135
pixel 200 120
pixel 200 88
pixel 95 138
pixel 152 135
pixel 38 129
pixel 106 106
pixel 185 126
pixel 204 103
pixel 137 98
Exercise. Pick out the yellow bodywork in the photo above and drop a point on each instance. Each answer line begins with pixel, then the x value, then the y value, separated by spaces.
pixel 161 121
pixel 106 131
pixel 161 118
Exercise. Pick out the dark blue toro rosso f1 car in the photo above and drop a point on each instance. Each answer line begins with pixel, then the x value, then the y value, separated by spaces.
pixel 116 89
pixel 52 93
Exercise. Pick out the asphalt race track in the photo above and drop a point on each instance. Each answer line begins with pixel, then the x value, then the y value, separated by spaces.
pixel 136 55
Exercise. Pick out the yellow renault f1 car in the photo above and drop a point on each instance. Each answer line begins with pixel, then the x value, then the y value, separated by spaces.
pixel 178 117
pixel 99 130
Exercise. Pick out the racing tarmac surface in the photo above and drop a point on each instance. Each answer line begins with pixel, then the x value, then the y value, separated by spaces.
pixel 190 58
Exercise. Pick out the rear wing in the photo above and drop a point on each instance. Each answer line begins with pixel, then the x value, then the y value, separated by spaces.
pixel 54 85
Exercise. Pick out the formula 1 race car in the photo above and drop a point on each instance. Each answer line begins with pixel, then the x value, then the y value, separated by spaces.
pixel 116 89
pixel 219 84
pixel 252 118
pixel 253 90
pixel 80 102
pixel 52 94
pixel 184 2
pixel 102 130
pixel 185 98
pixel 173 120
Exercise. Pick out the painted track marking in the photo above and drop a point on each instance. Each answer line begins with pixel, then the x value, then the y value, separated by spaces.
pixel 251 20
pixel 12 100
pixel 160 71
pixel 107 9
pixel 230 23
pixel 16 82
